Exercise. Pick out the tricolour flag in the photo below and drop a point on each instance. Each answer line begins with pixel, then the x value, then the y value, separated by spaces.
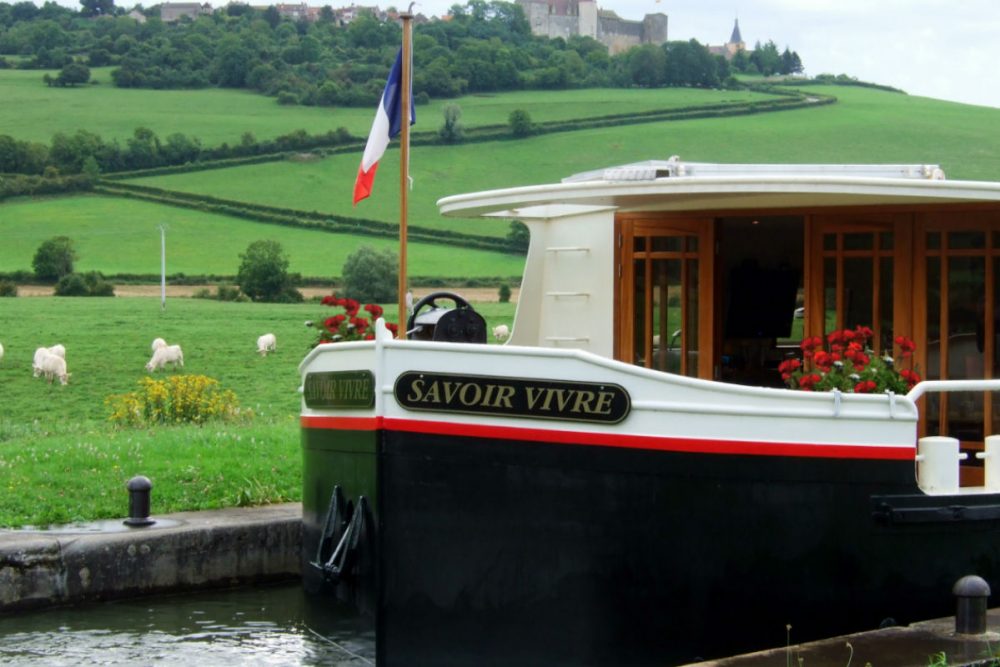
pixel 387 124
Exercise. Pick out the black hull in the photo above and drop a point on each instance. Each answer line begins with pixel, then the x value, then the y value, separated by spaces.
pixel 494 551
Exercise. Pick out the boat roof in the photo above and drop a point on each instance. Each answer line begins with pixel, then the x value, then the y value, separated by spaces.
pixel 675 185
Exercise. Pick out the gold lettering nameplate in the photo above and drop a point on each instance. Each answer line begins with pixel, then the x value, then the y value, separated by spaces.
pixel 513 397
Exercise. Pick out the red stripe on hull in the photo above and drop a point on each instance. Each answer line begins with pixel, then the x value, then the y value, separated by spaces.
pixel 585 438
pixel 342 423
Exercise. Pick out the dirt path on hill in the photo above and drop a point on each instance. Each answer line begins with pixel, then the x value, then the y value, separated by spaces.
pixel 478 294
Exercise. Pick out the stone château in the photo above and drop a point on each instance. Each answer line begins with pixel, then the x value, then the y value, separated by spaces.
pixel 565 18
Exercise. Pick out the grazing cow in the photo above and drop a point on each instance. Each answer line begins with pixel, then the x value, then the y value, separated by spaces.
pixel 267 343
pixel 36 364
pixel 53 367
pixel 171 354
pixel 501 332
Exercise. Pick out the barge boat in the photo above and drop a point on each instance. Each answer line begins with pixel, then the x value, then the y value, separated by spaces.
pixel 627 480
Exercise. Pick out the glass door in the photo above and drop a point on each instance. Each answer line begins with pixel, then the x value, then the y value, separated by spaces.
pixel 960 276
pixel 855 268
pixel 665 295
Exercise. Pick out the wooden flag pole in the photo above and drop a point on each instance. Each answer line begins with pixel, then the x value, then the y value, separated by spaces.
pixel 404 163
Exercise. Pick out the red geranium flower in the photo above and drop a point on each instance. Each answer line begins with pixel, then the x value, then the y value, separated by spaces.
pixel 347 326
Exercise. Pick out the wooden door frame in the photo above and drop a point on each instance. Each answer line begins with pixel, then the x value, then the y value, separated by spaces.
pixel 904 297
pixel 627 228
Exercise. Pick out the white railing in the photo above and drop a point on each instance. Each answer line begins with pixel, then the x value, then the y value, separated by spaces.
pixel 941 386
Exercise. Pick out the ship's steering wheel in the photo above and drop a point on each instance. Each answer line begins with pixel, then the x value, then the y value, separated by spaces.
pixel 458 324
pixel 430 301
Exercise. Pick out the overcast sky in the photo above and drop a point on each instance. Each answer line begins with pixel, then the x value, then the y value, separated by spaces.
pixel 948 49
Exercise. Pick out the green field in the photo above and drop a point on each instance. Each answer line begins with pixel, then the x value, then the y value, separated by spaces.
pixel 60 458
pixel 121 236
pixel 216 115
pixel 864 126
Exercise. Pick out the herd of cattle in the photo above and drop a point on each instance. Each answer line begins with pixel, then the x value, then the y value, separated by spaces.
pixel 50 362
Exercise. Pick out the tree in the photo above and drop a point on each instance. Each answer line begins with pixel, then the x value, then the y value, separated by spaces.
pixel 520 123
pixel 518 237
pixel 97 7
pixel 453 130
pixel 371 276
pixel 54 259
pixel 263 273
pixel 72 74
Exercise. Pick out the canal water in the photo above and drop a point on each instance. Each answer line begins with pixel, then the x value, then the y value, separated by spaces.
pixel 264 625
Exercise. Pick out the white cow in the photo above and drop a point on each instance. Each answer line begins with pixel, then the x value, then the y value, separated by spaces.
pixel 54 367
pixel 36 364
pixel 501 332
pixel 267 343
pixel 171 354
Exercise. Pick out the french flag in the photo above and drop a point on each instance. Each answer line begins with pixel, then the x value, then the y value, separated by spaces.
pixel 387 124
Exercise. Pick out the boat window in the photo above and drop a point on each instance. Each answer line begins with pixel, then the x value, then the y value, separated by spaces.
pixel 887 309
pixel 858 241
pixel 858 278
pixel 661 318
pixel 962 278
pixel 967 240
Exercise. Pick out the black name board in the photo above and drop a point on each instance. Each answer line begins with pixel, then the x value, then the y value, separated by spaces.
pixel 339 389
pixel 513 397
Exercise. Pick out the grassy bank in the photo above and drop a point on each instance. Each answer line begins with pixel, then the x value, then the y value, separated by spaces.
pixel 121 236
pixel 62 460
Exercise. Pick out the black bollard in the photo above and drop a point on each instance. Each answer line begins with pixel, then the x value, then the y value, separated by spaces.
pixel 972 593
pixel 139 488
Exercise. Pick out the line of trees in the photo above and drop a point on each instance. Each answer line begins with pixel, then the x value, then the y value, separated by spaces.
pixel 84 152
pixel 485 46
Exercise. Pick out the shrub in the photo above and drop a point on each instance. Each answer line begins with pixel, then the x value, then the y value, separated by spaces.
pixel 225 292
pixel 453 130
pixel 54 259
pixel 520 123
pixel 503 293
pixel 370 275
pixel 263 273
pixel 8 288
pixel 91 283
pixel 179 399
pixel 71 285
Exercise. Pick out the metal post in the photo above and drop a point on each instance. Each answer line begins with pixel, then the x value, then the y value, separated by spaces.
pixel 972 593
pixel 139 489
pixel 163 267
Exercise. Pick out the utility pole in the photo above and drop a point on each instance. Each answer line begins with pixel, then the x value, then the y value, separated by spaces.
pixel 163 266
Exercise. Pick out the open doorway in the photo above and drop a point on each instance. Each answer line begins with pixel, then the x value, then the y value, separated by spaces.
pixel 760 269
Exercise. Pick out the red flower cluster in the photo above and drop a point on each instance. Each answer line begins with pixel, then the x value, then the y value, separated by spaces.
pixel 348 326
pixel 849 364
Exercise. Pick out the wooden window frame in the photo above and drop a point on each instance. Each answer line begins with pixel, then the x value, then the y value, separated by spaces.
pixel 627 229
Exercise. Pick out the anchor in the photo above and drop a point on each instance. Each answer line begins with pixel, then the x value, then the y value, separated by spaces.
pixel 344 525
